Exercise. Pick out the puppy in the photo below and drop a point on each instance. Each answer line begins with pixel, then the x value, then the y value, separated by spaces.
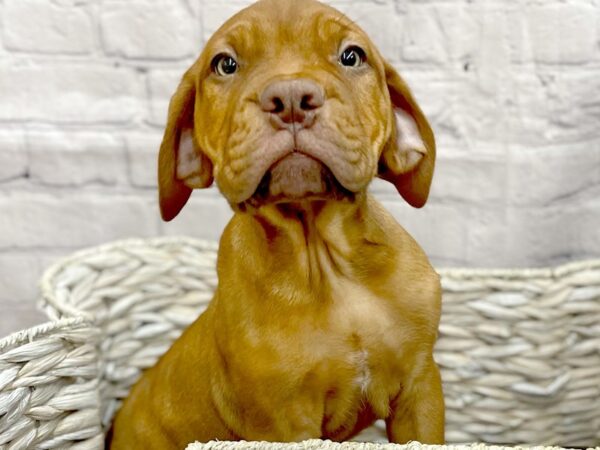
pixel 326 312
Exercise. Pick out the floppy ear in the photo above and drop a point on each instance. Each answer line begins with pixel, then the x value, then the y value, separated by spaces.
pixel 408 159
pixel 182 166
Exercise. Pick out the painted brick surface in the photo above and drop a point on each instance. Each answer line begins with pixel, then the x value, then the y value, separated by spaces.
pixel 13 156
pixel 148 30
pixel 69 93
pixel 70 219
pixel 47 27
pixel 512 90
pixel 72 158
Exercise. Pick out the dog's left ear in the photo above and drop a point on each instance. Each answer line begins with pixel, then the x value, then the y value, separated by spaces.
pixel 408 158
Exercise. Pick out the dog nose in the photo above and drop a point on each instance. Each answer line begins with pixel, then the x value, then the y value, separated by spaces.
pixel 292 102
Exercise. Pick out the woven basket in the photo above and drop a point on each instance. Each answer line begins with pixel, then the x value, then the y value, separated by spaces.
pixel 316 444
pixel 140 293
pixel 519 350
pixel 48 388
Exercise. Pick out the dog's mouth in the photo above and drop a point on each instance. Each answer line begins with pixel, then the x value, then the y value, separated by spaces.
pixel 298 177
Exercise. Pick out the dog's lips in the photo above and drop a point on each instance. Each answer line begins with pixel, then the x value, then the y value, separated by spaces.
pixel 330 170
pixel 295 177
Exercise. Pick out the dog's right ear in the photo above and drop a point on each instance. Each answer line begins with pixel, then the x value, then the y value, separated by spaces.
pixel 182 166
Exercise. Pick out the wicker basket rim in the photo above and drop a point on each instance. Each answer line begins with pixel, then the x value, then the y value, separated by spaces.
pixel 29 334
pixel 521 273
pixel 50 273
pixel 46 281
pixel 317 444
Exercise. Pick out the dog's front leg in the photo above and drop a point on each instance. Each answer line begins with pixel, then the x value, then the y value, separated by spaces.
pixel 279 419
pixel 417 413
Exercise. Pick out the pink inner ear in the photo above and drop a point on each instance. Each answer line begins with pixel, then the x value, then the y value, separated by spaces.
pixel 411 147
pixel 189 162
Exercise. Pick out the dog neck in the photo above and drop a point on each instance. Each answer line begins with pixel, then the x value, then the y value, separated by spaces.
pixel 306 248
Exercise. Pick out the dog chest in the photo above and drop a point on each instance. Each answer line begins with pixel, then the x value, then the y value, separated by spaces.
pixel 332 360
pixel 367 341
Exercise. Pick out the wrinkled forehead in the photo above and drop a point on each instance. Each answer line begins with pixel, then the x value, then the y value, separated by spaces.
pixel 286 26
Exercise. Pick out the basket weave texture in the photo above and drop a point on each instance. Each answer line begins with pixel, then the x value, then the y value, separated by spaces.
pixel 48 387
pixel 519 350
pixel 317 444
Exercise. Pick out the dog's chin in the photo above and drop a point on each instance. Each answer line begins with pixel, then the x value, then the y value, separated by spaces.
pixel 298 178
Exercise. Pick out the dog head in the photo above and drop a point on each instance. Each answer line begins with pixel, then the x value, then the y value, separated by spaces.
pixel 289 101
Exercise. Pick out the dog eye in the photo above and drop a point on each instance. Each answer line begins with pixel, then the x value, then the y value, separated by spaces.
pixel 353 56
pixel 224 65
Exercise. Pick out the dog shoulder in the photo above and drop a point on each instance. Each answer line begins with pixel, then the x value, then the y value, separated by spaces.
pixel 411 278
pixel 384 229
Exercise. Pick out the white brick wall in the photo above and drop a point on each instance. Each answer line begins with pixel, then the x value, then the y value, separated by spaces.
pixel 512 89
